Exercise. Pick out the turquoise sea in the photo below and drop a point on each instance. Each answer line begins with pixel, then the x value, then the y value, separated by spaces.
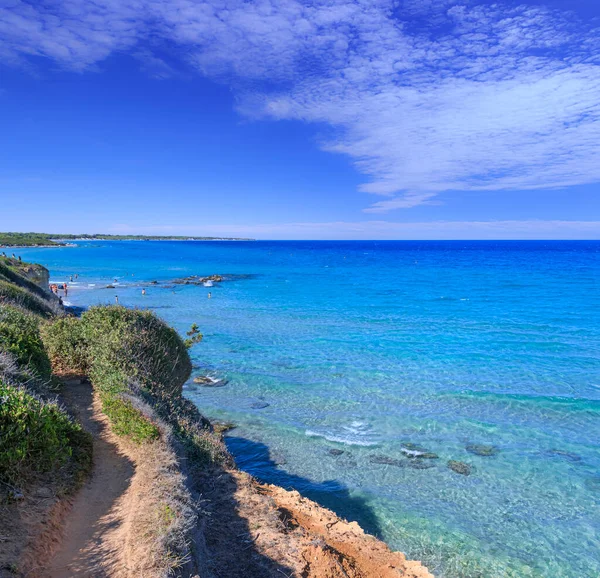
pixel 378 349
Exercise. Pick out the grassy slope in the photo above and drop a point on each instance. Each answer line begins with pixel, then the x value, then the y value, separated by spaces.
pixel 36 435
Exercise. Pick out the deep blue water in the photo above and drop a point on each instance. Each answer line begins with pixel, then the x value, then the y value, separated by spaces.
pixel 366 346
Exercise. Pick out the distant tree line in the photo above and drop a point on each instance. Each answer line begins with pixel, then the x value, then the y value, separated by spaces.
pixel 43 239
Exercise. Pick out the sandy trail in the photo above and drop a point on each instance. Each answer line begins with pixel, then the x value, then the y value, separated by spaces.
pixel 95 530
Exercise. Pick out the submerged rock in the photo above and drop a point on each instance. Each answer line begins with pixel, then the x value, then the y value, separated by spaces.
pixel 569 456
pixel 336 452
pixel 206 381
pixel 386 460
pixel 482 450
pixel 110 287
pixel 459 467
pixel 593 484
pixel 260 405
pixel 222 426
pixel 196 280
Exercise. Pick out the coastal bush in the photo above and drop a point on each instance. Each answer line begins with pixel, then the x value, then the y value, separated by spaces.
pixel 117 347
pixel 35 436
pixel 20 336
pixel 11 294
pixel 66 345
pixel 138 344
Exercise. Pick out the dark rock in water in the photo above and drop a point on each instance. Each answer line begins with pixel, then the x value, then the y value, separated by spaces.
pixel 153 282
pixel 110 287
pixel 386 460
pixel 350 464
pixel 196 280
pixel 593 484
pixel 482 450
pixel 335 452
pixel 569 456
pixel 222 426
pixel 460 467
pixel 260 405
pixel 208 382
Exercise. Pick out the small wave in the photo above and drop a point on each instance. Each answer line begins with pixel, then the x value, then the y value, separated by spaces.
pixel 356 434
pixel 349 441
pixel 67 303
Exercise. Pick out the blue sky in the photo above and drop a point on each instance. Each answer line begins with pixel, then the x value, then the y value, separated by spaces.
pixel 298 119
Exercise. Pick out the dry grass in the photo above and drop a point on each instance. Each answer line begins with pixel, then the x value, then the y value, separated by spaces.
pixel 159 512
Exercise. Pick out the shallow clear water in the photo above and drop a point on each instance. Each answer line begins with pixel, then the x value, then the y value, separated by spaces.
pixel 365 346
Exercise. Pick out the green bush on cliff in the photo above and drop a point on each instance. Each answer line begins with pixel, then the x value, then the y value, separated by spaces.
pixel 66 345
pixel 125 352
pixel 140 345
pixel 35 436
pixel 117 347
pixel 20 336
pixel 11 294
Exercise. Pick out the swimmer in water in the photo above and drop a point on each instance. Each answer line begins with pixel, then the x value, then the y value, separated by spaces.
pixel 143 292
pixel 117 299
pixel 209 295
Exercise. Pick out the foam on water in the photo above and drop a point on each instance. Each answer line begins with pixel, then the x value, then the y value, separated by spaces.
pixel 344 364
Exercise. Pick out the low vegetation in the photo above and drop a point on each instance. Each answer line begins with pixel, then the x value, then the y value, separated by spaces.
pixel 20 336
pixel 36 435
pixel 11 294
pixel 25 240
pixel 24 275
pixel 132 354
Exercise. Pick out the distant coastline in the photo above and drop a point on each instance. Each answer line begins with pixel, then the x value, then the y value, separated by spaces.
pixel 49 240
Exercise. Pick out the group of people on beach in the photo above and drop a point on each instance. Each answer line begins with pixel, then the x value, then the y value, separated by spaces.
pixel 56 287
pixel 62 286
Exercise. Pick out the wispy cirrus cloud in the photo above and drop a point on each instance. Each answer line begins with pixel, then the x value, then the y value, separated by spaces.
pixel 424 96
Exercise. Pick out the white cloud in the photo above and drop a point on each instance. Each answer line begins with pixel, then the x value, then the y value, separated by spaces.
pixel 425 96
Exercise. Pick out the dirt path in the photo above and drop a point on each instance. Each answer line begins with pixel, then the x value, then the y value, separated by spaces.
pixel 96 525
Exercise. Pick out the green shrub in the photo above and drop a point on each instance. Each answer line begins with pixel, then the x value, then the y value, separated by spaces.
pixel 20 335
pixel 139 345
pixel 35 436
pixel 66 345
pixel 11 294
pixel 127 420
